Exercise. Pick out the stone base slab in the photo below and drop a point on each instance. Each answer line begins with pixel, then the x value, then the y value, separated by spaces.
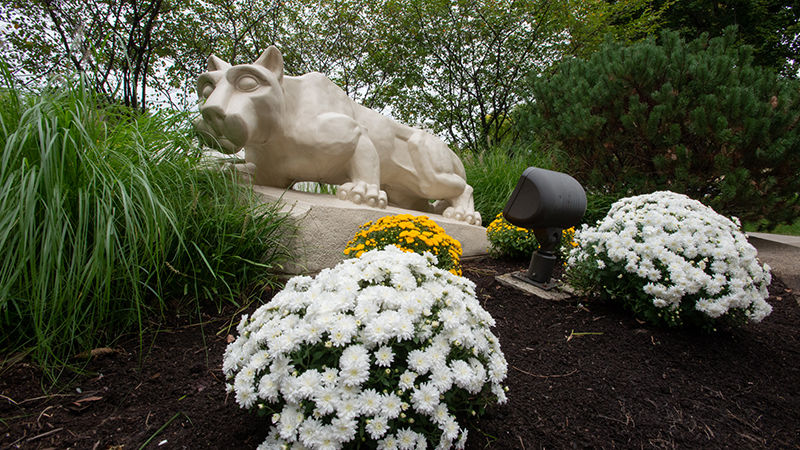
pixel 326 224
pixel 559 292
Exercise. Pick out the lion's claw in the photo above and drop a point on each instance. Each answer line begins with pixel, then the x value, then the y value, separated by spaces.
pixel 363 193
pixel 472 218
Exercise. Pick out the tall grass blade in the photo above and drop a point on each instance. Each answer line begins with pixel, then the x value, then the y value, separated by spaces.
pixel 106 218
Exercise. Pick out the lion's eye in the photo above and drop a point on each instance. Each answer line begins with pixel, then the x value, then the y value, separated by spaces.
pixel 247 83
pixel 207 90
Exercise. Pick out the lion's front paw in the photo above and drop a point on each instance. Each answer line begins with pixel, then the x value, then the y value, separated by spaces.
pixel 361 192
pixel 471 217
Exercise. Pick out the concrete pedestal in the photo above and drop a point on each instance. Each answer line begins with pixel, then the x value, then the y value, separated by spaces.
pixel 326 224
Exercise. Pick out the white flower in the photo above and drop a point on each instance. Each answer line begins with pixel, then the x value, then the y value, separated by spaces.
pixel 354 365
pixel 406 439
pixel 377 331
pixel 407 380
pixel 326 400
pixel 441 377
pixel 290 419
pixel 308 383
pixel 371 402
pixel 462 373
pixel 418 361
pixel 245 396
pixel 388 443
pixel 500 393
pixel 384 356
pixel 450 429
pixel 498 368
pixel 343 429
pixel 342 329
pixel 377 427
pixel 462 440
pixel 425 398
pixel 391 405
pixel 679 248
pixel 268 387
pixel 348 407
pixel 330 376
pixel 311 349
pixel 441 415
pixel 311 432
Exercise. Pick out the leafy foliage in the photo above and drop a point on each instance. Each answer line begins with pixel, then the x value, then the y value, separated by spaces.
pixel 113 43
pixel 456 67
pixel 697 118
pixel 771 27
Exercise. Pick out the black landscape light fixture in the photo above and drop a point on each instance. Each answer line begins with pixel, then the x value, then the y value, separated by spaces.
pixel 547 202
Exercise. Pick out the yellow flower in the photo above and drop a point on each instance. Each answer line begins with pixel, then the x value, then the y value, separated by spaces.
pixel 410 234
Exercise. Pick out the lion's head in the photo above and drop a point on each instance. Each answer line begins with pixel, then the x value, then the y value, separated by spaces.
pixel 243 104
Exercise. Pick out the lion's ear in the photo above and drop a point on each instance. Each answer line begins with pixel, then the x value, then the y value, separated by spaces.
pixel 215 63
pixel 272 60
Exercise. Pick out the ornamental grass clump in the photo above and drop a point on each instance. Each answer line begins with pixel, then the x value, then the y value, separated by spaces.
pixel 384 350
pixel 672 261
pixel 506 239
pixel 417 234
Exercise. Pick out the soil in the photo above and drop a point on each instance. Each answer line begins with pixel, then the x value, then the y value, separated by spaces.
pixel 581 374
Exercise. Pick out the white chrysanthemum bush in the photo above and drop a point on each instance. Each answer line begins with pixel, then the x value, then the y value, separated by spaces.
pixel 385 351
pixel 672 261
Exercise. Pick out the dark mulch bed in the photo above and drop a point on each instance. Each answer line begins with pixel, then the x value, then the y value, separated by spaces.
pixel 625 384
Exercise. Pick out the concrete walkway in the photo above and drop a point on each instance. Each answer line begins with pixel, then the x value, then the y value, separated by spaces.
pixel 782 253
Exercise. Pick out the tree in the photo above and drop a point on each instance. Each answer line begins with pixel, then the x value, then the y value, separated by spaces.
pixel 458 66
pixel 112 42
pixel 454 66
pixel 771 27
pixel 697 118
pixel 593 21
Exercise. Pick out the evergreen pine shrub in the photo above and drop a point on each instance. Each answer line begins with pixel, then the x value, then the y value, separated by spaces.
pixel 693 117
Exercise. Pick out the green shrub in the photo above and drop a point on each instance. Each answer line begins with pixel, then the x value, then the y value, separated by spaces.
pixel 697 118
pixel 672 261
pixel 105 215
pixel 597 206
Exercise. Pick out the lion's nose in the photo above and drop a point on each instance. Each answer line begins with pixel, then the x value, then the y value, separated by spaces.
pixel 213 114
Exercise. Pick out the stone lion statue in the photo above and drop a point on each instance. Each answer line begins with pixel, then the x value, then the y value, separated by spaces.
pixel 306 128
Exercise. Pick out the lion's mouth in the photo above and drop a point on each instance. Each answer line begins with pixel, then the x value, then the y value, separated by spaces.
pixel 214 139
pixel 228 146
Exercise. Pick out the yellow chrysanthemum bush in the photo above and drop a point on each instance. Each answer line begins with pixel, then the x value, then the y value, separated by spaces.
pixel 508 240
pixel 417 234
